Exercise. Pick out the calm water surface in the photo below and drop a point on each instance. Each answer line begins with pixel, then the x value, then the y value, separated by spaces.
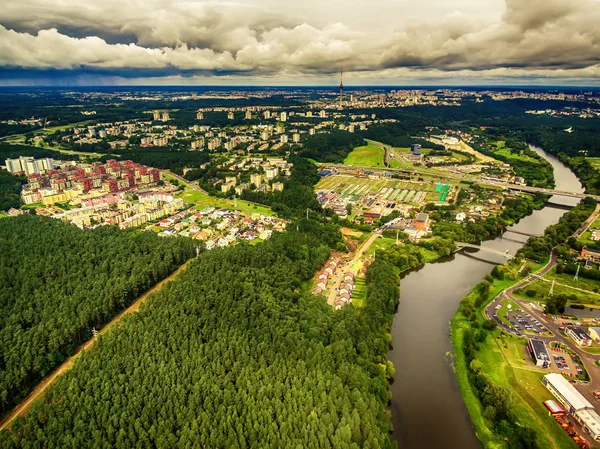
pixel 427 407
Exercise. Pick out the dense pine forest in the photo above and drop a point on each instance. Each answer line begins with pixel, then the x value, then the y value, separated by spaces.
pixel 57 282
pixel 235 352
pixel 10 190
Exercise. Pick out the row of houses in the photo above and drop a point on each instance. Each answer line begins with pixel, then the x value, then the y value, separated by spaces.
pixel 323 276
pixel 345 291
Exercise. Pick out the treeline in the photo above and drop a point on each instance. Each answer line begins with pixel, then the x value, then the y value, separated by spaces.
pixel 396 135
pixel 331 147
pixel 514 209
pixel 57 282
pixel 10 190
pixel 539 248
pixel 298 194
pixel 539 173
pixel 585 171
pixel 233 353
pixel 163 158
pixel 495 401
pixel 14 151
pixel 555 140
pixel 403 257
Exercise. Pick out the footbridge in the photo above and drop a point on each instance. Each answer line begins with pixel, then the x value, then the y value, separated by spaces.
pixel 461 245
pixel 527 234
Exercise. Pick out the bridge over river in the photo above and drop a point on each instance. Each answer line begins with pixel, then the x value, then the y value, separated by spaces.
pixel 461 245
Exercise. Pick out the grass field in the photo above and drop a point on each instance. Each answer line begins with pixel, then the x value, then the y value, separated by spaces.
pixel 595 161
pixel 503 150
pixel 542 288
pixel 369 155
pixel 582 283
pixel 360 292
pixel 202 200
pixel 504 362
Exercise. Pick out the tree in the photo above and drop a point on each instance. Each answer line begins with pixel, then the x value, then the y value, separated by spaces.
pixel 556 304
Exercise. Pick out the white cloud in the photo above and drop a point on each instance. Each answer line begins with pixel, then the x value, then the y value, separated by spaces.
pixel 262 39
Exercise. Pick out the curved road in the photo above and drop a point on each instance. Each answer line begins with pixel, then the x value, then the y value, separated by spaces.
pixel 587 359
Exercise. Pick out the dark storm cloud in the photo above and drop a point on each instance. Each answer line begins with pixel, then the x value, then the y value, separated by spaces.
pixel 163 38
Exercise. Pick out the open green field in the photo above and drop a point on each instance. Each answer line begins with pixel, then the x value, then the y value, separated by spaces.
pixel 381 244
pixel 360 292
pixel 595 161
pixel 202 200
pixel 503 150
pixel 568 279
pixel 542 288
pixel 369 155
pixel 504 362
pixel 586 237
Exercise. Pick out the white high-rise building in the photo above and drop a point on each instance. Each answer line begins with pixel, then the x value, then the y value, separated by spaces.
pixel 283 116
pixel 13 165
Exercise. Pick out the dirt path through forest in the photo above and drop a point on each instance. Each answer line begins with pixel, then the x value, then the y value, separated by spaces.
pixel 22 408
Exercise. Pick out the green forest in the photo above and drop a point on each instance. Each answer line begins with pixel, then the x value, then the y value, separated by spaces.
pixel 8 151
pixel 57 282
pixel 539 248
pixel 10 190
pixel 245 358
pixel 331 147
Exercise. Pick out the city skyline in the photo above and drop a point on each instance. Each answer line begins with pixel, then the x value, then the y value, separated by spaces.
pixel 261 42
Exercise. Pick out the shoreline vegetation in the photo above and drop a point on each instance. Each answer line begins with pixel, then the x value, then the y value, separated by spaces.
pixel 500 397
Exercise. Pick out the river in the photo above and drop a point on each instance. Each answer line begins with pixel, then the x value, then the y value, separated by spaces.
pixel 427 407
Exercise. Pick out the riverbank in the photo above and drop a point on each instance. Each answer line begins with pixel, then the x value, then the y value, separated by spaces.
pixel 488 358
pixel 427 406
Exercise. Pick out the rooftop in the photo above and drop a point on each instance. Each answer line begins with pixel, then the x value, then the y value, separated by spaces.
pixel 568 391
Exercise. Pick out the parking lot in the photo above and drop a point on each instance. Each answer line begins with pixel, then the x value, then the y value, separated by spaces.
pixel 564 362
pixel 525 322
pixel 519 320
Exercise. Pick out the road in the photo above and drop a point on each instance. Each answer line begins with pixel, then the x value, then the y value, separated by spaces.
pixel 22 408
pixel 477 180
pixel 537 311
pixel 346 266
pixel 191 184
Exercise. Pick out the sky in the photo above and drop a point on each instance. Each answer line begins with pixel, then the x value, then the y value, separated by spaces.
pixel 283 42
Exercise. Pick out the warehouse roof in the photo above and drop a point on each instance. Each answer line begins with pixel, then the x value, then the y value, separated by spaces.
pixel 568 391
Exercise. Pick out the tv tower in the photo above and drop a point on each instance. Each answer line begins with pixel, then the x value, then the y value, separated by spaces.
pixel 341 85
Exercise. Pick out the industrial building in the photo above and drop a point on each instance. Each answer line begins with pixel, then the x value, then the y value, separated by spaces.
pixel 538 353
pixel 579 335
pixel 594 333
pixel 571 399
pixel 590 421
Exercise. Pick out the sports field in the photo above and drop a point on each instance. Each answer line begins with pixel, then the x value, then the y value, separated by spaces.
pixel 366 156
